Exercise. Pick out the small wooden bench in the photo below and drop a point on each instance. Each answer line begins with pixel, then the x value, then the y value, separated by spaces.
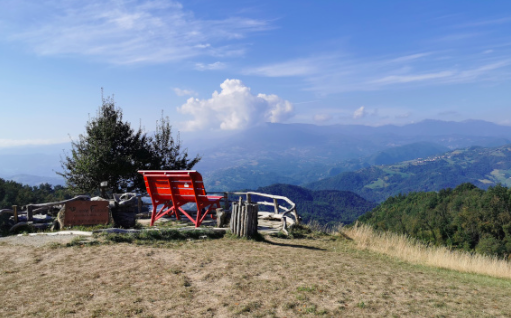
pixel 173 189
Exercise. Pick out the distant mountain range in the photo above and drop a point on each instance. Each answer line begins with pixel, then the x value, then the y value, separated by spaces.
pixel 480 166
pixel 299 153
pixel 288 153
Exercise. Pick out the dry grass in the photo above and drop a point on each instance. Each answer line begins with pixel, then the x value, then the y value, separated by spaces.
pixel 324 276
pixel 412 251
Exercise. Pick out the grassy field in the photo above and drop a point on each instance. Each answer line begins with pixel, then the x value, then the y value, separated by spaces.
pixel 321 275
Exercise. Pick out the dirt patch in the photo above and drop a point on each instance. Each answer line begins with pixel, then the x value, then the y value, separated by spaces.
pixel 37 240
pixel 229 278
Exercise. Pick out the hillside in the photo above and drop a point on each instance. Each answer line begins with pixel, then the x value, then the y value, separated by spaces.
pixel 255 173
pixel 480 166
pixel 466 218
pixel 325 206
pixel 302 153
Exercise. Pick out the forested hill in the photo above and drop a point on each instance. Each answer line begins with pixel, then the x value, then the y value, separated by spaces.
pixel 466 217
pixel 325 206
pixel 14 193
pixel 480 166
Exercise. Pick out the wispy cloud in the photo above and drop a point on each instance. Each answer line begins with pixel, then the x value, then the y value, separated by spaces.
pixel 209 67
pixel 184 92
pixel 336 74
pixel 486 22
pixel 298 67
pixel 124 32
pixel 394 79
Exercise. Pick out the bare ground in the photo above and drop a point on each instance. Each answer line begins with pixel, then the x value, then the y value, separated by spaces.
pixel 327 276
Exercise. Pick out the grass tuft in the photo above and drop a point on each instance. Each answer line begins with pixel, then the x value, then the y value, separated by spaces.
pixel 412 251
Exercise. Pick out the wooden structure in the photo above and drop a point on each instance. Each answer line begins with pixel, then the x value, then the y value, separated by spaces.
pixel 288 216
pixel 173 189
pixel 244 219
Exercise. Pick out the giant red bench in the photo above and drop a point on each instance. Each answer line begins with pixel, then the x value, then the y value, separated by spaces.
pixel 173 189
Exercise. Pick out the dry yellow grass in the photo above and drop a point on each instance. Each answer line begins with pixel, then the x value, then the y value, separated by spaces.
pixel 325 276
pixel 412 251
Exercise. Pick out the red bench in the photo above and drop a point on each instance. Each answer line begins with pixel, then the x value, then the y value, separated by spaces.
pixel 174 188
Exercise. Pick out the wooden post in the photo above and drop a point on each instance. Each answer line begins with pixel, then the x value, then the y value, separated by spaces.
pixel 295 213
pixel 276 205
pixel 249 198
pixel 30 213
pixel 220 217
pixel 226 201
pixel 15 210
pixel 284 226
pixel 244 219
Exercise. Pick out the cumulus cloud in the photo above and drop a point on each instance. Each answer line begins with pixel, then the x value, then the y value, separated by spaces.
pixel 235 107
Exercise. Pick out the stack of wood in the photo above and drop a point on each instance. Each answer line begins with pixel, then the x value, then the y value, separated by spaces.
pixel 244 218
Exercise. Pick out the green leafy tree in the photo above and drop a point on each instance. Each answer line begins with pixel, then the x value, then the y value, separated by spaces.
pixel 111 150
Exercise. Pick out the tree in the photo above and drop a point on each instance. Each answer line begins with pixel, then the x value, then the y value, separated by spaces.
pixel 166 151
pixel 112 151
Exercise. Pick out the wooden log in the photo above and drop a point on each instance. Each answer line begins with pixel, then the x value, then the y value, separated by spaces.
pixel 234 216
pixel 30 213
pixel 78 197
pixel 15 210
pixel 284 226
pixel 252 213
pixel 226 201
pixel 242 221
pixel 297 218
pixel 276 205
pixel 220 217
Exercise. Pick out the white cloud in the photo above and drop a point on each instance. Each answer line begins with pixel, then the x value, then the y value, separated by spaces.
pixel 209 67
pixel 122 31
pixel 298 67
pixel 338 73
pixel 393 79
pixel 359 113
pixel 184 92
pixel 235 107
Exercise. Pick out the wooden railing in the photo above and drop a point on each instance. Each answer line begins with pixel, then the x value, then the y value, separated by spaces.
pixel 278 208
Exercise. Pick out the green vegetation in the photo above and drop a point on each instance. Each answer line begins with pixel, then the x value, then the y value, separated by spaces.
pixel 466 218
pixel 483 167
pixel 13 193
pixel 328 207
pixel 112 151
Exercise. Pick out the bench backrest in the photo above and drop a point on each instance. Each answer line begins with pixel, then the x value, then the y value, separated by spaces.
pixel 184 185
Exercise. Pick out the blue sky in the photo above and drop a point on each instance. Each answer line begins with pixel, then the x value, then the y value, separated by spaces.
pixel 229 65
